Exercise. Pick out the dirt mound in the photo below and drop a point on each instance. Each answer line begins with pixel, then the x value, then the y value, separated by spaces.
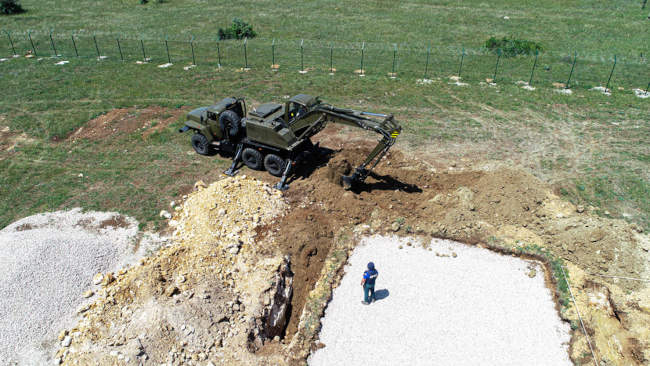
pixel 127 120
pixel 202 293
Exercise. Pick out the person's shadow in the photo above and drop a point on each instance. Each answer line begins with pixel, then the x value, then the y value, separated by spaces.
pixel 381 294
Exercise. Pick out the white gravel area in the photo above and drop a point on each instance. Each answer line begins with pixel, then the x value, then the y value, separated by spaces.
pixel 46 262
pixel 478 308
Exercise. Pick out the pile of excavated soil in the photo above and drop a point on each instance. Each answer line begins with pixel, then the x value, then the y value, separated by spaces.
pixel 200 300
pixel 127 120
pixel 436 299
pixel 46 263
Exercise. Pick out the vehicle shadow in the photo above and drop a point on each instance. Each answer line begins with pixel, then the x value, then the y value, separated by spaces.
pixel 381 294
pixel 317 158
pixel 385 183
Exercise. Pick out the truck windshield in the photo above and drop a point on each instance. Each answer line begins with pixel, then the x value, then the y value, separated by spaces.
pixel 296 111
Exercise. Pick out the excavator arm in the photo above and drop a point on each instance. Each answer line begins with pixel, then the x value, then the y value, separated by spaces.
pixel 383 124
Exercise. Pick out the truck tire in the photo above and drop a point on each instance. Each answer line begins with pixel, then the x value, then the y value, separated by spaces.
pixel 274 165
pixel 252 158
pixel 230 124
pixel 200 144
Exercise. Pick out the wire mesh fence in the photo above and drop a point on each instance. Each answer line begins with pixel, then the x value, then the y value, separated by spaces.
pixel 420 61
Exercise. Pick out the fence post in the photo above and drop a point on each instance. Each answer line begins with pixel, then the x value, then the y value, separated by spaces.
pixel 169 59
pixel 394 58
pixel 53 46
pixel 530 81
pixel 96 47
pixel 29 34
pixel 13 49
pixel 245 53
pixel 273 53
pixel 426 65
pixel 331 59
pixel 575 57
pixel 144 55
pixel 119 48
pixel 496 67
pixel 74 44
pixel 302 58
pixel 462 56
pixel 218 55
pixel 363 46
pixel 192 47
pixel 610 74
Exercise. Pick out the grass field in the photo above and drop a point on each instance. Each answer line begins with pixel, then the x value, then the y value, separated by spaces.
pixel 593 148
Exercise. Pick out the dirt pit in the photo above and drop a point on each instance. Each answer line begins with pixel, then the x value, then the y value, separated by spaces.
pixel 435 298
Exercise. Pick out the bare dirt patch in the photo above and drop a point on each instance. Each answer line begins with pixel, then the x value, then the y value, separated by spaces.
pixel 24 227
pixel 10 139
pixel 127 120
pixel 117 221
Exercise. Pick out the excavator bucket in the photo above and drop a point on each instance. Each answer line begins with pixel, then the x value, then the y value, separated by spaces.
pixel 348 181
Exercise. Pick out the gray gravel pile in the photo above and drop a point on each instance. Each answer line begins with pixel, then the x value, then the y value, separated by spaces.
pixel 453 305
pixel 46 262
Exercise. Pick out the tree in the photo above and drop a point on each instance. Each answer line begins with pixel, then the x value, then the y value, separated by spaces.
pixel 8 7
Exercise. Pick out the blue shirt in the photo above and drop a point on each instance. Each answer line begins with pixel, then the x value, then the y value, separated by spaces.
pixel 370 276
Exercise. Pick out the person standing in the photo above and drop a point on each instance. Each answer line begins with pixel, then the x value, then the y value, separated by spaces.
pixel 368 283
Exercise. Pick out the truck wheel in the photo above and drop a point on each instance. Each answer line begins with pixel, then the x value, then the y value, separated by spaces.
pixel 200 144
pixel 274 165
pixel 229 122
pixel 252 158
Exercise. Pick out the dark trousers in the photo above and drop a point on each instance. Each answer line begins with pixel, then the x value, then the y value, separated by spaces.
pixel 368 292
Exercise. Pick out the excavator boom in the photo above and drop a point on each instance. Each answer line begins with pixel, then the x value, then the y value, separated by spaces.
pixel 386 127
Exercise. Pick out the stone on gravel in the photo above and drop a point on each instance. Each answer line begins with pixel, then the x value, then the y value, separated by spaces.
pixel 395 226
pixel 66 341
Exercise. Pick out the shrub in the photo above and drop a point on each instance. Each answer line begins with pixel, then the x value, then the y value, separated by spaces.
pixel 8 7
pixel 238 29
pixel 512 47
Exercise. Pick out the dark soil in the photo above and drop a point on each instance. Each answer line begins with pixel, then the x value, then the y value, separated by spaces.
pixel 117 221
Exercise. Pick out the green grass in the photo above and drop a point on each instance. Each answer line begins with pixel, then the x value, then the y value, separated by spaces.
pixel 593 26
pixel 560 276
pixel 585 140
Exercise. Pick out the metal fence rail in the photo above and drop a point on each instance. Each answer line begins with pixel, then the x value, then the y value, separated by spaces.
pixel 421 61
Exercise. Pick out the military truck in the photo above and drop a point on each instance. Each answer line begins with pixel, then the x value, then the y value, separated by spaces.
pixel 276 137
